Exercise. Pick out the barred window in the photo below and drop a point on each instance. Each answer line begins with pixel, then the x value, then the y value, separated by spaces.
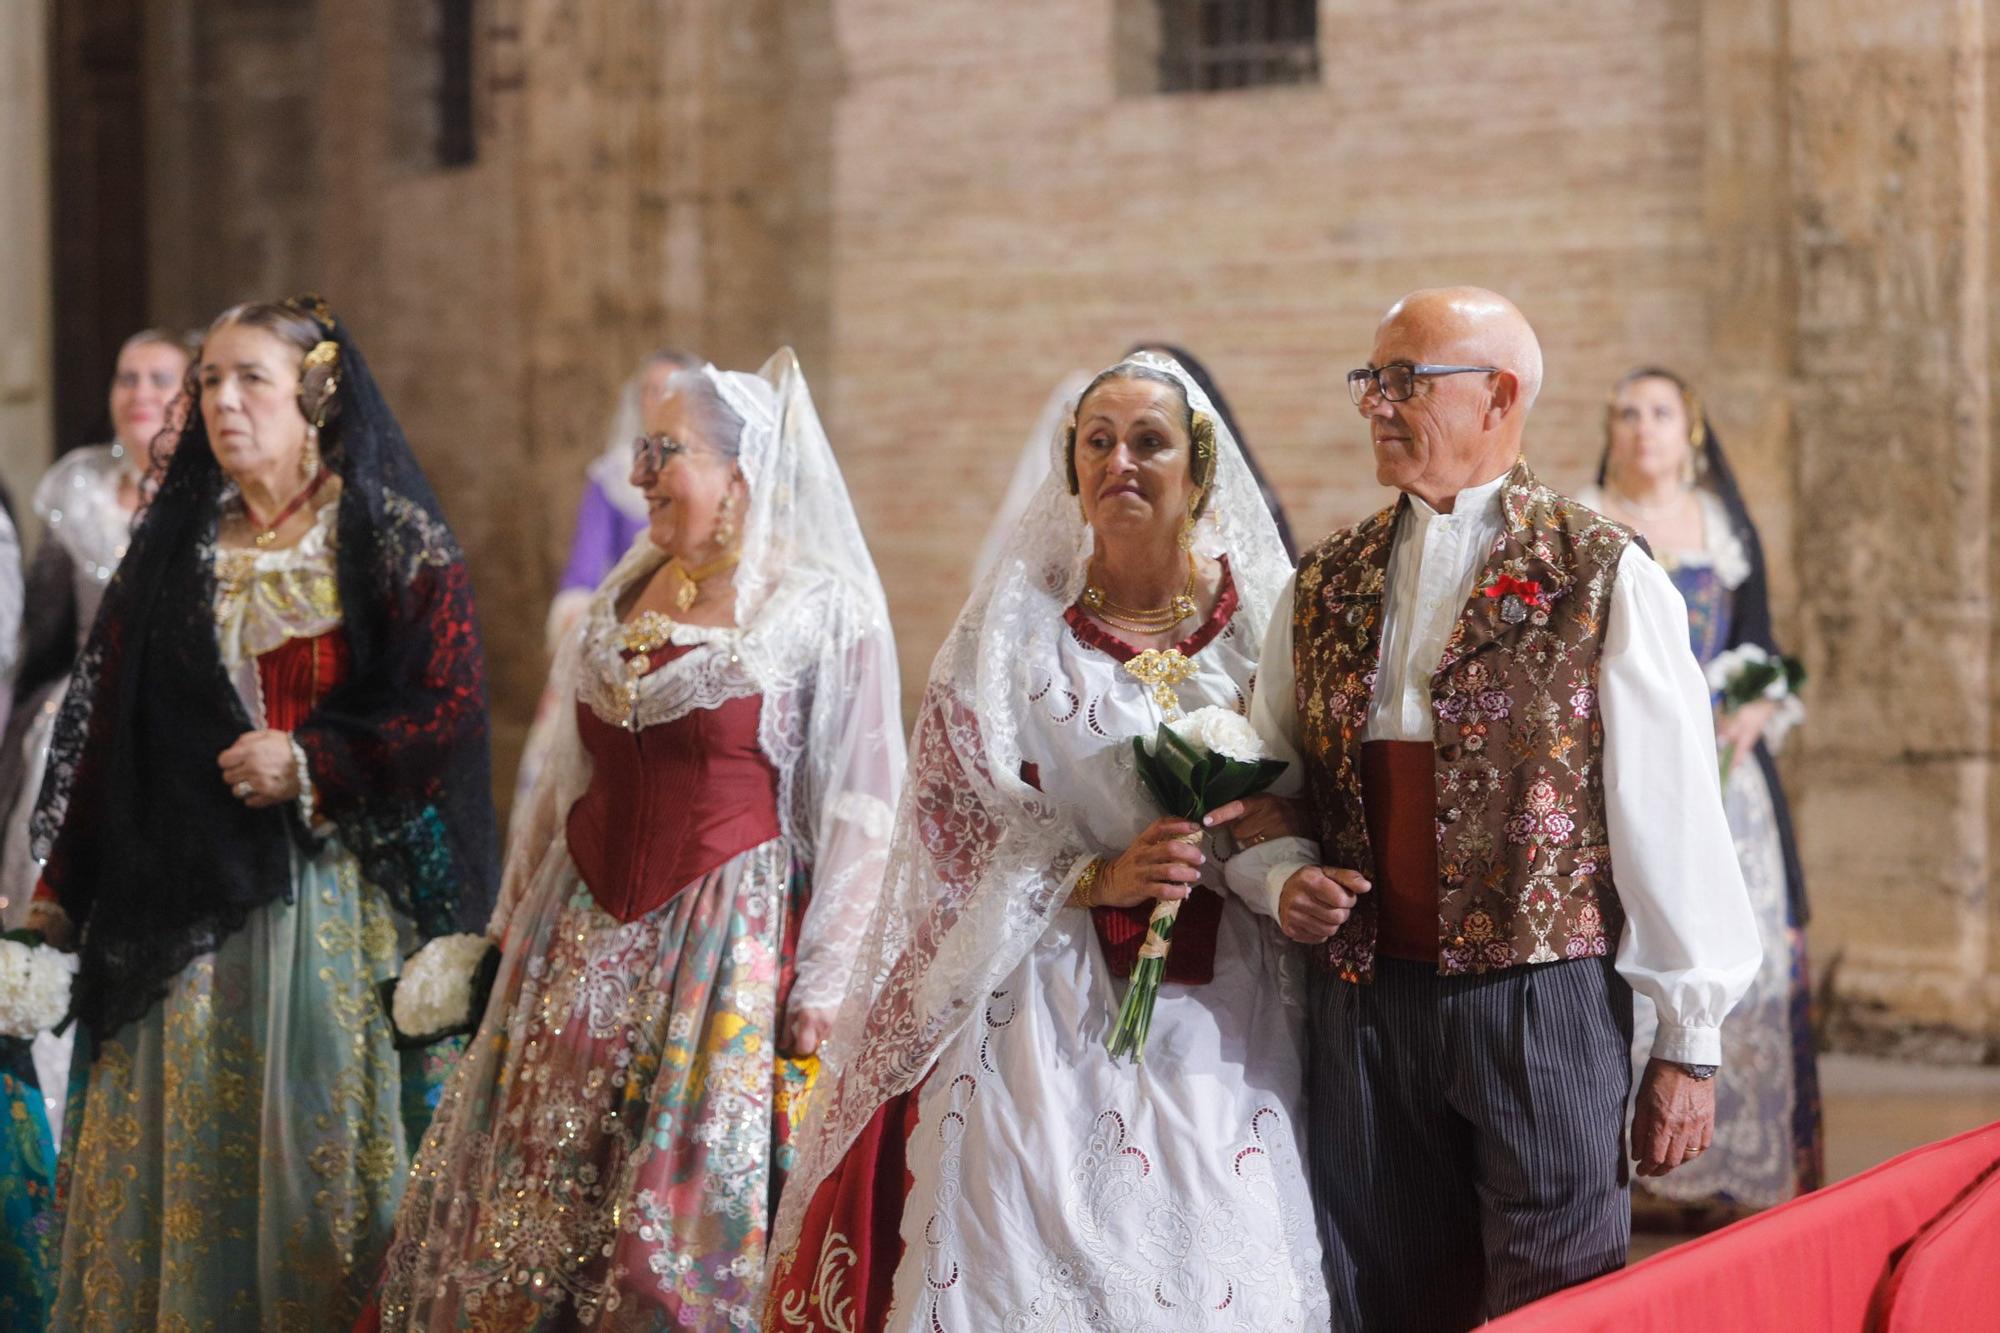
pixel 1211 45
pixel 432 124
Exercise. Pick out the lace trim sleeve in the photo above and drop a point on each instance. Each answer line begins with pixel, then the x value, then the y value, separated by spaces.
pixel 854 771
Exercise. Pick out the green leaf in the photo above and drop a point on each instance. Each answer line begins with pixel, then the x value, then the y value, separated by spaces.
pixel 1240 778
pixel 1149 774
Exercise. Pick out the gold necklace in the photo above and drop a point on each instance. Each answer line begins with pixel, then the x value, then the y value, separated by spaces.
pixel 1143 620
pixel 638 639
pixel 265 531
pixel 687 582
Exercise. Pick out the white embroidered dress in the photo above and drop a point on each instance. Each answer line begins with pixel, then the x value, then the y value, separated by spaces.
pixel 1056 1188
pixel 1049 1187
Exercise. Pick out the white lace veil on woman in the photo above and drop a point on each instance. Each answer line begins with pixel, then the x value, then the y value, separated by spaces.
pixel 980 861
pixel 815 642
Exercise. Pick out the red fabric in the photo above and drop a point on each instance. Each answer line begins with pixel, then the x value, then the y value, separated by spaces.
pixel 1191 961
pixel 1949 1275
pixel 860 1208
pixel 668 804
pixel 1399 795
pixel 298 673
pixel 1809 1264
pixel 1096 636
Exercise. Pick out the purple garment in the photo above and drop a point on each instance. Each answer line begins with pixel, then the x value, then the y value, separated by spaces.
pixel 604 532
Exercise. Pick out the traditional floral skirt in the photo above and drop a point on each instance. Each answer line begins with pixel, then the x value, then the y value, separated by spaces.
pixel 1768 1145
pixel 242 1145
pixel 611 1147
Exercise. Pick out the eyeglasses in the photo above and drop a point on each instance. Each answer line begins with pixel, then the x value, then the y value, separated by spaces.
pixel 1398 380
pixel 651 452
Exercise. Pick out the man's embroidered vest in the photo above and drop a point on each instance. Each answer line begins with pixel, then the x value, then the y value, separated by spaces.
pixel 1524 865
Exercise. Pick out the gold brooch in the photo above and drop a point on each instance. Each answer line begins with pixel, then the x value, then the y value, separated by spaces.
pixel 1161 670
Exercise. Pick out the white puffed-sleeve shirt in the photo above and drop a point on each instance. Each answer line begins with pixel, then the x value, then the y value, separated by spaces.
pixel 1690 942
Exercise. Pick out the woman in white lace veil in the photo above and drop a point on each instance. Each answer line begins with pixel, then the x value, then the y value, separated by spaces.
pixel 1048 1185
pixel 609 518
pixel 682 899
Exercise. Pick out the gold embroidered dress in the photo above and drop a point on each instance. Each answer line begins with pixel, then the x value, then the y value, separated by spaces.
pixel 242 1150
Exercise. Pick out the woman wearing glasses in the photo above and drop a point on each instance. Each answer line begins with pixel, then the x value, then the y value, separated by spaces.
pixel 682 898
pixel 609 519
pixel 1664 472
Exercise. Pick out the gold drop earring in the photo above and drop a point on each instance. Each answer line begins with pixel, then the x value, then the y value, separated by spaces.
pixel 1187 525
pixel 725 522
pixel 309 458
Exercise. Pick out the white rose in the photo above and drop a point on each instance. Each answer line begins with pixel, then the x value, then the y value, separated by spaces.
pixel 1221 731
pixel 34 987
pixel 1723 667
pixel 435 991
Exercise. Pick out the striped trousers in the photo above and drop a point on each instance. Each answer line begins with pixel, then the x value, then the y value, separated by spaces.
pixel 1466 1138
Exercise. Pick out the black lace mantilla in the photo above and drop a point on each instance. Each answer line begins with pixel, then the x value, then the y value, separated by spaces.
pixel 147 851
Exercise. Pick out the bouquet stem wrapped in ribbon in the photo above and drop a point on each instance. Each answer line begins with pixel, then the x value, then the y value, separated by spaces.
pixel 1191 766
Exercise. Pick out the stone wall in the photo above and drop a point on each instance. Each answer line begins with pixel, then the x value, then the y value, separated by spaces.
pixel 26 376
pixel 946 206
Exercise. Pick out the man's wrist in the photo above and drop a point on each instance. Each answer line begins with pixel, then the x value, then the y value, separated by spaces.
pixel 1699 1073
pixel 1677 1045
pixel 1277 877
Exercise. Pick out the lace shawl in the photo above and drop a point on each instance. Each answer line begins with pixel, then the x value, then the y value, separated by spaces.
pixel 979 860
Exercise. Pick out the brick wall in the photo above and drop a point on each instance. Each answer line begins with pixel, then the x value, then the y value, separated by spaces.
pixel 947 205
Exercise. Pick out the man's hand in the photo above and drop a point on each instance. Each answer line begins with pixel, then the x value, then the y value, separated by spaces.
pixel 1675 1118
pixel 1260 818
pixel 1317 900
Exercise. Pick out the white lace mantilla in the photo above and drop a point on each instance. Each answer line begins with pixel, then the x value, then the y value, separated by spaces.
pixel 814 645
pixel 981 860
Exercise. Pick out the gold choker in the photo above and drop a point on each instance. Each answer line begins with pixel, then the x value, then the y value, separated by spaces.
pixel 1142 620
pixel 687 582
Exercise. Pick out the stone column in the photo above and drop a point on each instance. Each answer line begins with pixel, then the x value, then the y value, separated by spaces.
pixel 25 332
pixel 1892 375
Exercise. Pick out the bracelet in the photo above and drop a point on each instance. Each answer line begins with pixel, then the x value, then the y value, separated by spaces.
pixel 1084 894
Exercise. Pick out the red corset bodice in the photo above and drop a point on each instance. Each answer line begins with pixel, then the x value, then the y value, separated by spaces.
pixel 669 803
pixel 298 673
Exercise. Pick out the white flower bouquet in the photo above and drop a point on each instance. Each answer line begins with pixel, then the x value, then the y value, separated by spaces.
pixel 443 989
pixel 34 985
pixel 1748 674
pixel 1194 764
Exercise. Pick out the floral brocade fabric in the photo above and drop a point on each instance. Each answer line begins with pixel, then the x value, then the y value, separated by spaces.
pixel 616 1137
pixel 1524 862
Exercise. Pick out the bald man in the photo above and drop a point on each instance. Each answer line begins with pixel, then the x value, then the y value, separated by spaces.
pixel 1509 764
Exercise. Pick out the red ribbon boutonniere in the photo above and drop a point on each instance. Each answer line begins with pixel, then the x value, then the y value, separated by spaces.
pixel 1516 596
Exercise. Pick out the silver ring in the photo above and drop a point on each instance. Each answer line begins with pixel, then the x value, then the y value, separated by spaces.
pixel 242 789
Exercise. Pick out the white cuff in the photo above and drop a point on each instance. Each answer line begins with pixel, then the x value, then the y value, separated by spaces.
pixel 1257 874
pixel 303 768
pixel 1688 1046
